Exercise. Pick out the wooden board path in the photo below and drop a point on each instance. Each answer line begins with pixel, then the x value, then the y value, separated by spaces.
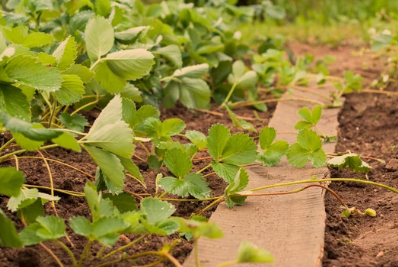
pixel 292 226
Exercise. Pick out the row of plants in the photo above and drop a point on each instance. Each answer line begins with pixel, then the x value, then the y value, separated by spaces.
pixel 59 58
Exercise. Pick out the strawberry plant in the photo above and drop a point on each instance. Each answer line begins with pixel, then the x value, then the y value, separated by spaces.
pixel 60 59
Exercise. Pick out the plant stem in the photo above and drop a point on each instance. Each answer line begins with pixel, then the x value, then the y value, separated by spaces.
pixel 146 150
pixel 205 168
pixel 100 252
pixel 229 95
pixel 124 247
pixel 189 200
pixel 51 180
pixel 172 259
pixel 24 150
pixel 50 121
pixel 6 144
pixel 227 263
pixel 71 131
pixel 84 106
pixel 68 251
pixel 220 199
pixel 204 158
pixel 52 254
pixel 138 180
pixel 325 180
pixel 85 251
pixel 319 130
pixel 251 103
pixel 16 163
pixel 156 253
pixel 209 174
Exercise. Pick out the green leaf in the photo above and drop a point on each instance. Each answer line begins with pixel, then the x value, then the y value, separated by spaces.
pixel 172 53
pixel 171 127
pixel 15 35
pixel 201 229
pixel 37 39
pixel 29 235
pixel 193 93
pixel 310 118
pixel 26 143
pixel 8 235
pixel 67 141
pixel 353 161
pixel 66 53
pixel 309 147
pixel 130 166
pixel 156 210
pixel 33 131
pixel 267 136
pixel 197 186
pixel 14 103
pixel 25 198
pixel 242 79
pixel 76 122
pixel 105 230
pixel 225 171
pixel 109 164
pixel 196 71
pixel 178 162
pixel 71 91
pixel 83 72
pixel 99 36
pixel 193 184
pixel 26 70
pixel 240 150
pixel 93 200
pixel 102 7
pixel 52 227
pixel 81 226
pixel 241 180
pixel 143 113
pixel 154 163
pixel 251 253
pixel 32 212
pixel 216 141
pixel 130 36
pixel 11 181
pixel 110 132
pixel 197 138
pixel 131 92
pixel 272 156
pixel 121 66
pixel 124 202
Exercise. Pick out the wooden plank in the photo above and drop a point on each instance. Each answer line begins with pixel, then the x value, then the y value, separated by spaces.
pixel 292 226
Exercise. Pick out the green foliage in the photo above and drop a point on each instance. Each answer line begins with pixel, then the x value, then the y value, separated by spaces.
pixel 310 118
pixel 353 161
pixel 248 252
pixel 272 151
pixel 45 229
pixel 307 148
pixel 8 234
pixel 238 149
pixel 11 181
pixel 239 183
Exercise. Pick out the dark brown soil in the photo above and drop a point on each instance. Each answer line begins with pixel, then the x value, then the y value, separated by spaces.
pixel 69 179
pixel 369 127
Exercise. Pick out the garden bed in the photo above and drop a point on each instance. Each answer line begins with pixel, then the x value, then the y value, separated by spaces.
pixel 69 179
